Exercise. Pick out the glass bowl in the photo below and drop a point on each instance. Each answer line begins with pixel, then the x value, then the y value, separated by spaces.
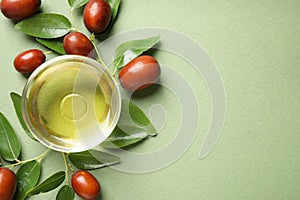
pixel 71 103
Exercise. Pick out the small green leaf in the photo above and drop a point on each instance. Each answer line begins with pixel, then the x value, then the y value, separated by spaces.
pixel 137 115
pixel 114 5
pixel 53 44
pixel 17 101
pixel 65 193
pixel 28 175
pixel 133 127
pixel 10 148
pixel 125 136
pixel 130 111
pixel 92 159
pixel 132 49
pixel 77 3
pixel 49 184
pixel 45 25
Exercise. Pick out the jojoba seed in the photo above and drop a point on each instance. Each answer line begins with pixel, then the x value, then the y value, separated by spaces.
pixel 77 43
pixel 139 73
pixel 97 15
pixel 19 9
pixel 27 61
pixel 8 184
pixel 85 185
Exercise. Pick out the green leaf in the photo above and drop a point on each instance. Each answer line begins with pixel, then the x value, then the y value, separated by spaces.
pixel 28 175
pixel 49 184
pixel 92 159
pixel 77 3
pixel 114 5
pixel 17 101
pixel 125 136
pixel 10 148
pixel 132 49
pixel 133 127
pixel 131 112
pixel 65 193
pixel 53 44
pixel 45 25
pixel 137 115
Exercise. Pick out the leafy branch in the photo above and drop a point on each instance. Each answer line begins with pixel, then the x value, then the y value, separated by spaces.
pixel 134 126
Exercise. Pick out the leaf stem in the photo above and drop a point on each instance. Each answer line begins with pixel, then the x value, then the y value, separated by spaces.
pixel 99 57
pixel 73 19
pixel 115 71
pixel 67 168
pixel 17 160
pixel 47 52
pixel 38 158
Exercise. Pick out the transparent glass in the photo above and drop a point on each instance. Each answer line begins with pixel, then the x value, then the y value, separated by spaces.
pixel 71 103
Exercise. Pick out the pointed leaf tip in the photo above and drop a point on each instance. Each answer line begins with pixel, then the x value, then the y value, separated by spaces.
pixel 10 147
pixel 17 102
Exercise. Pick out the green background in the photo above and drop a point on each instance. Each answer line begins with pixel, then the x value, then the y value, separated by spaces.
pixel 256 48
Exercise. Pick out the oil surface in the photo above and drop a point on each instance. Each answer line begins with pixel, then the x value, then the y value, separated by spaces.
pixel 69 102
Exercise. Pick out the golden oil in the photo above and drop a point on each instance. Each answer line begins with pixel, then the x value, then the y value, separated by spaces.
pixel 72 106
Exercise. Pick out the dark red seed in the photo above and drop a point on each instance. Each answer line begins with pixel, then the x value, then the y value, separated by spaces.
pixel 140 73
pixel 77 43
pixel 97 15
pixel 85 185
pixel 8 184
pixel 19 9
pixel 27 61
